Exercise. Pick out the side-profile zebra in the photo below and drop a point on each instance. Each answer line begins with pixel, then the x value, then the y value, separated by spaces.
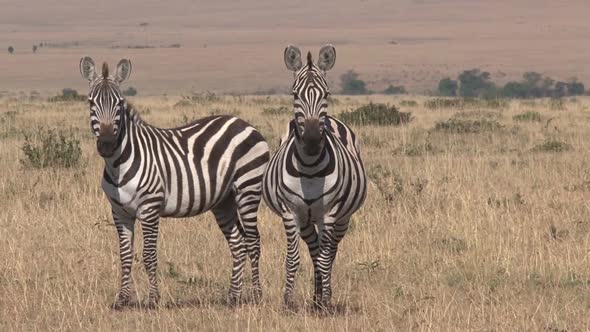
pixel 316 179
pixel 215 163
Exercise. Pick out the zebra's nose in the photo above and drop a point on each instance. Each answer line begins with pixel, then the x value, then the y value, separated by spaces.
pixel 106 132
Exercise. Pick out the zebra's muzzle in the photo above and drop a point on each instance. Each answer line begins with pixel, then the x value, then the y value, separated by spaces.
pixel 107 141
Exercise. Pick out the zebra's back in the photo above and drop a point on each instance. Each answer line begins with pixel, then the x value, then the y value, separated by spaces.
pixel 188 170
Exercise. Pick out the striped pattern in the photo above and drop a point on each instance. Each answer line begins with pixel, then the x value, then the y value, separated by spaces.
pixel 214 164
pixel 315 194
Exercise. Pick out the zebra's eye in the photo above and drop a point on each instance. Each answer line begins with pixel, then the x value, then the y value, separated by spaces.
pixel 295 95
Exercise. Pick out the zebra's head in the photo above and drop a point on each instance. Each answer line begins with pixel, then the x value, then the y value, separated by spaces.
pixel 310 93
pixel 106 102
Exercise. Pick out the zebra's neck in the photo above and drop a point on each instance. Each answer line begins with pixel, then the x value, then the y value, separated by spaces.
pixel 130 122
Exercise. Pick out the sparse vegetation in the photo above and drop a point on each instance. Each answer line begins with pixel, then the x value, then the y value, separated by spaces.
pixel 552 145
pixel 528 116
pixel 280 110
pixel 467 126
pixel 376 114
pixel 51 149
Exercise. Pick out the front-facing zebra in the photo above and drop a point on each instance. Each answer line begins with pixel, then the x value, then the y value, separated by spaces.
pixel 316 179
pixel 215 163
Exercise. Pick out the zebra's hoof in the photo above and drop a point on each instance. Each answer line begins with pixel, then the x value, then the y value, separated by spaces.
pixel 233 301
pixel 290 305
pixel 257 296
pixel 120 305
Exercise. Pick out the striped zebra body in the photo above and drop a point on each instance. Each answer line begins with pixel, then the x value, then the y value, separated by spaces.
pixel 316 179
pixel 213 164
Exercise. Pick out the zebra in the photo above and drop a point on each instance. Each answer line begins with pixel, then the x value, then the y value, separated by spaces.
pixel 316 180
pixel 213 164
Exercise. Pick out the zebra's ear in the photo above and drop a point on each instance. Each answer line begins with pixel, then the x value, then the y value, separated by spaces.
pixel 293 58
pixel 123 70
pixel 88 68
pixel 327 57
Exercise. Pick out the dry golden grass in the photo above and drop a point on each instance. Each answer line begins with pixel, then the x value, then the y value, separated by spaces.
pixel 482 233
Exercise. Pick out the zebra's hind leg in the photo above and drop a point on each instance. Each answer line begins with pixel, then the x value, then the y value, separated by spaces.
pixel 227 219
pixel 125 229
pixel 248 203
pixel 149 226
pixel 292 261
pixel 310 236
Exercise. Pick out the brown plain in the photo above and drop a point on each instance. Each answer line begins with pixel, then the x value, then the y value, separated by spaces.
pixel 230 46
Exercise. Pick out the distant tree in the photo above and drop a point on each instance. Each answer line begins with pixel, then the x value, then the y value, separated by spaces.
pixel 351 84
pixel 575 88
pixel 447 87
pixel 475 83
pixel 395 90
pixel 130 91
pixel 515 90
pixel 34 48
pixel 10 49
pixel 69 93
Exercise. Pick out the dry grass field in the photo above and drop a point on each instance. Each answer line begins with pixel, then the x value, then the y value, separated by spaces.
pixel 478 223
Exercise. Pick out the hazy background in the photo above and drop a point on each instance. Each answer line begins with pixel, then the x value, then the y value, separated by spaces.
pixel 236 46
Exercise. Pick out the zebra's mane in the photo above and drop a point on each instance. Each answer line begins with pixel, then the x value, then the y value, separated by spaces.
pixel 105 70
pixel 134 115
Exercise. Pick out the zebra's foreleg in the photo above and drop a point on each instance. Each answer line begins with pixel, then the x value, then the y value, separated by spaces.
pixel 125 228
pixel 228 222
pixel 331 237
pixel 292 260
pixel 248 203
pixel 149 226
pixel 310 236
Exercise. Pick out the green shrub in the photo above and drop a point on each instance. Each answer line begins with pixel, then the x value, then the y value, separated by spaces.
pixel 530 116
pixel 51 149
pixel 376 114
pixel 460 103
pixel 68 94
pixel 395 90
pixel 467 126
pixel 408 103
pixel 438 103
pixel 552 145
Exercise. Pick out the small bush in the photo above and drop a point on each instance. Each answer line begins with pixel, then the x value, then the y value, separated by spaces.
pixel 467 126
pixel 280 110
pixel 10 49
pixel 183 103
pixel 376 114
pixel 438 103
pixel 51 149
pixel 552 145
pixel 395 90
pixel 460 103
pixel 68 94
pixel 528 116
pixel 130 91
pixel 408 103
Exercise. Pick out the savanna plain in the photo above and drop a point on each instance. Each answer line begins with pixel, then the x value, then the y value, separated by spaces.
pixel 477 218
